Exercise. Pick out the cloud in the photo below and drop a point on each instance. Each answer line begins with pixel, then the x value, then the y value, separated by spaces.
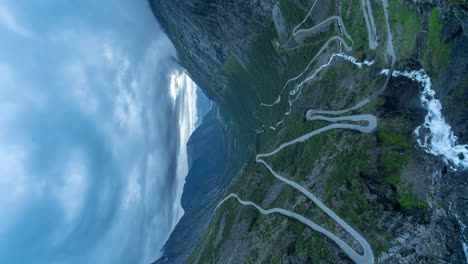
pixel 89 136
pixel 108 53
pixel 132 193
pixel 14 90
pixel 71 192
pixel 16 188
pixel 13 183
pixel 127 109
pixel 9 20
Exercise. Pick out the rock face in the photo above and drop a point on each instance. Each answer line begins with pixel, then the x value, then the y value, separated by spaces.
pixel 206 32
pixel 409 205
pixel 455 13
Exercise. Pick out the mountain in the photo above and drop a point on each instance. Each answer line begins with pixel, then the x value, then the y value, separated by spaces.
pixel 216 151
pixel 357 112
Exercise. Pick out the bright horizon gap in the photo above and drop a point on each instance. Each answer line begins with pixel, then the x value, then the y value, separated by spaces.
pixel 184 91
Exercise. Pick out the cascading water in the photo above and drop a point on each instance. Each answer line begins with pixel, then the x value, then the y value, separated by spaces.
pixel 435 136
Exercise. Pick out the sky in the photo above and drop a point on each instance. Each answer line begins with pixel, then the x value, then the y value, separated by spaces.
pixel 94 119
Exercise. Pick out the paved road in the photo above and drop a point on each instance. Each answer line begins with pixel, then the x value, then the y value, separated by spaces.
pixel 300 34
pixel 372 123
pixel 366 258
pixel 311 115
pixel 368 255
pixel 307 68
pixel 370 24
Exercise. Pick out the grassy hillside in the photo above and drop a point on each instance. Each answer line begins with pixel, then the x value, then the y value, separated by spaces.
pixel 376 182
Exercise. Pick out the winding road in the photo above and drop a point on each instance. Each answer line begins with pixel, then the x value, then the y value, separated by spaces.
pixel 300 34
pixel 325 46
pixel 427 99
pixel 370 24
pixel 368 256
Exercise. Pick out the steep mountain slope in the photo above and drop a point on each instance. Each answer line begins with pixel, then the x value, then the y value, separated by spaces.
pixel 215 151
pixel 399 183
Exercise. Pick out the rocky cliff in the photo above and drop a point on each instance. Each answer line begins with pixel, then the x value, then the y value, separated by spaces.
pixel 211 36
pixel 268 62
pixel 204 35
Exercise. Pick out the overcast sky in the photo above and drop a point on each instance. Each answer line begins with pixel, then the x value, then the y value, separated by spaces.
pixel 88 149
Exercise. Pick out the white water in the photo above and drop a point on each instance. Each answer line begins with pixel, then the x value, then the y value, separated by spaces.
pixel 438 138
pixel 368 255
pixel 296 91
pixel 183 93
pixel 369 19
pixel 325 46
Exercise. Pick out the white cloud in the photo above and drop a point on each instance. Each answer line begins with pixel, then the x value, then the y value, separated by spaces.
pixel 110 84
pixel 127 111
pixel 71 192
pixel 13 173
pixel 132 194
pixel 14 92
pixel 108 53
pixel 13 183
pixel 86 69
pixel 159 229
pixel 9 20
pixel 75 73
pixel 17 186
pixel 99 73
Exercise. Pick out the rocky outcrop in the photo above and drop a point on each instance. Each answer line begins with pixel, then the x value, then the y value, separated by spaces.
pixel 206 32
pixel 455 13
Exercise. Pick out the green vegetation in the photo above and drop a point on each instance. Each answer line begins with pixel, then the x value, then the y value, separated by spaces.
pixel 262 77
pixel 248 86
pixel 396 154
pixel 408 200
pixel 392 164
pixel 354 158
pixel 404 20
pixel 312 246
pixel 389 138
pixel 305 154
pixel 292 14
pixel 260 80
pixel 356 27
pixel 437 53
pixel 338 165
